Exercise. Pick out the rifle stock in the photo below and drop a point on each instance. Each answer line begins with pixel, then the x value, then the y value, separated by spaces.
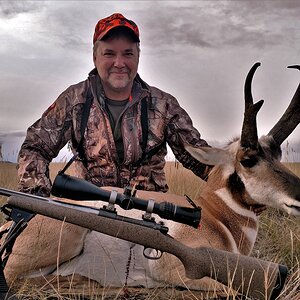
pixel 249 276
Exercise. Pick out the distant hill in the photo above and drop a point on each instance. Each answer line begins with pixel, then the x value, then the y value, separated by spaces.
pixel 11 145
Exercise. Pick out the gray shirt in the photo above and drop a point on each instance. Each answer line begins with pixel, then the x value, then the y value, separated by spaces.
pixel 114 109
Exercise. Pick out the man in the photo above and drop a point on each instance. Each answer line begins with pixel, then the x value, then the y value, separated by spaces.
pixel 127 125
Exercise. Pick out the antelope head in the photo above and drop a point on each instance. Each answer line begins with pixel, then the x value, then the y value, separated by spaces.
pixel 250 166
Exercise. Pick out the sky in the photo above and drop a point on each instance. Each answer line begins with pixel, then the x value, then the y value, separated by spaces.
pixel 198 51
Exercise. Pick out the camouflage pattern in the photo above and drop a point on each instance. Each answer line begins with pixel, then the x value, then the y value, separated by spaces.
pixel 61 124
pixel 105 25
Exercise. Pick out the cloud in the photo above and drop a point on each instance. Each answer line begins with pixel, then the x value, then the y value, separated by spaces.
pixel 215 24
pixel 200 51
pixel 275 5
pixel 166 26
pixel 10 9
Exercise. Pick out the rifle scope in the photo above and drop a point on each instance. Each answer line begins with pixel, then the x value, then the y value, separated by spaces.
pixel 66 186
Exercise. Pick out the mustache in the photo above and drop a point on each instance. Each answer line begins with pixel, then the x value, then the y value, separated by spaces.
pixel 123 70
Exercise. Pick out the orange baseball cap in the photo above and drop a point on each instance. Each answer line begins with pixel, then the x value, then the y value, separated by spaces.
pixel 115 20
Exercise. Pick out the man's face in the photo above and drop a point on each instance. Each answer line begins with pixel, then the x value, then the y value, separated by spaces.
pixel 117 61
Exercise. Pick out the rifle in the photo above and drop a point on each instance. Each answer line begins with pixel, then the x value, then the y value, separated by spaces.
pixel 249 276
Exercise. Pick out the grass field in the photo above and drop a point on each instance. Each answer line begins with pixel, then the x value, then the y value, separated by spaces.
pixel 278 239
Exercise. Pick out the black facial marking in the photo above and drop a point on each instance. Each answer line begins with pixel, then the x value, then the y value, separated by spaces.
pixel 235 184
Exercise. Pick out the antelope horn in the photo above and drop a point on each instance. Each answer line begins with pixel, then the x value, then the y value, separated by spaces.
pixel 290 119
pixel 249 138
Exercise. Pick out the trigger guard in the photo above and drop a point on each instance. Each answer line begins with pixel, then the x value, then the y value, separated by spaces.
pixel 158 254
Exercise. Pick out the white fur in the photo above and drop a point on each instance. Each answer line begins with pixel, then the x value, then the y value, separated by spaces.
pixel 250 234
pixel 108 261
pixel 226 196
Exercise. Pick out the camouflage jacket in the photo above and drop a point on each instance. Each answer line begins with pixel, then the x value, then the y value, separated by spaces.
pixel 168 124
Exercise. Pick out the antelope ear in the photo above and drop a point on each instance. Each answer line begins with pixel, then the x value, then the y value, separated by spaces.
pixel 209 156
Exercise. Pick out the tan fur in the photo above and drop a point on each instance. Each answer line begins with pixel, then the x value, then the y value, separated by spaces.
pixel 45 243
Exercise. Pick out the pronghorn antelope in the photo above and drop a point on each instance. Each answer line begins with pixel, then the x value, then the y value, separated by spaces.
pixel 246 173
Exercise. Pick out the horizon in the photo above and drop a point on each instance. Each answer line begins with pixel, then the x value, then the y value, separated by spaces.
pixel 10 149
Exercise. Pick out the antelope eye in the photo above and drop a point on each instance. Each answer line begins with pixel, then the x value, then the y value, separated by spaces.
pixel 249 162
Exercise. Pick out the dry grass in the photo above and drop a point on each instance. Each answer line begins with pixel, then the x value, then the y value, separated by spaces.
pixel 8 175
pixel 278 239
